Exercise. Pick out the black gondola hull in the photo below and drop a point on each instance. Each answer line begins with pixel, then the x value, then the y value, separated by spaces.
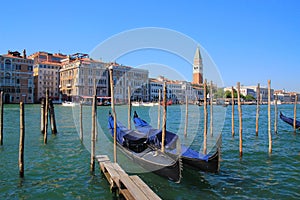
pixel 211 165
pixel 170 170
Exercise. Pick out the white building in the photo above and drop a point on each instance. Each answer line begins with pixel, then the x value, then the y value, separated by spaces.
pixel 136 79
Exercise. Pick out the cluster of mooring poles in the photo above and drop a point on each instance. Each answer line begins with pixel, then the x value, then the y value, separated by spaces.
pixel 257 115
pixel 47 109
pixel 46 106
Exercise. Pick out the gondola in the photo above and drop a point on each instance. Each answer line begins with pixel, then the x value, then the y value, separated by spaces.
pixel 190 157
pixel 289 120
pixel 136 147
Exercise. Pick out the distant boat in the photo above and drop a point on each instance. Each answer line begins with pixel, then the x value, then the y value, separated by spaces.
pixel 137 103
pixel 135 145
pixel 289 120
pixel 68 103
pixel 169 102
pixel 190 157
pixel 144 104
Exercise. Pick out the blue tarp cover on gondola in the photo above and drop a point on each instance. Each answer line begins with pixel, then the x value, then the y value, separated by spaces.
pixel 155 135
pixel 123 133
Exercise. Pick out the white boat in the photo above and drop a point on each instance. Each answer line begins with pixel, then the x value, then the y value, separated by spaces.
pixel 68 103
pixel 137 103
pixel 144 104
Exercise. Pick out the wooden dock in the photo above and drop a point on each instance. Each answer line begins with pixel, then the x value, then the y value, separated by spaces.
pixel 129 187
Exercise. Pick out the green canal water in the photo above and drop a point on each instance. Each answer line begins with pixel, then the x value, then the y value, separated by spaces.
pixel 60 169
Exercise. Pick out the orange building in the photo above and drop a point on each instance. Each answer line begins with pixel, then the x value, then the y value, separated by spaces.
pixel 16 77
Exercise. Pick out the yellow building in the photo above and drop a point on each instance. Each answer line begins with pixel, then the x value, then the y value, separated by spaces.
pixel 77 77
pixel 16 77
pixel 46 74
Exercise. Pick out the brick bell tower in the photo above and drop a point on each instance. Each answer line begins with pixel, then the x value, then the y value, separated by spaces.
pixel 197 68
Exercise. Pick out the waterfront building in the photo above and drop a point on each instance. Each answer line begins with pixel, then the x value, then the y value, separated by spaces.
pixel 286 97
pixel 176 90
pixel 46 74
pixel 136 79
pixel 252 90
pixel 16 77
pixel 77 76
pixel 155 86
pixel 197 68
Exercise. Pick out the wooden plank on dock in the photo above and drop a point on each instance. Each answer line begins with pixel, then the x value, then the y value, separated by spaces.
pixel 130 187
pixel 144 187
pixel 133 189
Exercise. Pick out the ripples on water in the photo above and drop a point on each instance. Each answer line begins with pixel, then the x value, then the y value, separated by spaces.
pixel 60 169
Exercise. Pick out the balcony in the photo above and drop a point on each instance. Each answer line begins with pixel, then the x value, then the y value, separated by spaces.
pixel 68 85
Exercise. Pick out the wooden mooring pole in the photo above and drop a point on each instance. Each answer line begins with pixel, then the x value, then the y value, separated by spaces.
pixel 186 113
pixel 269 116
pixel 232 111
pixel 129 108
pixel 93 133
pixel 205 119
pixel 52 117
pixel 46 116
pixel 257 108
pixel 158 109
pixel 43 102
pixel 276 113
pixel 164 122
pixel 240 119
pixel 1 118
pixel 114 112
pixel 80 123
pixel 22 138
pixel 295 112
pixel 211 108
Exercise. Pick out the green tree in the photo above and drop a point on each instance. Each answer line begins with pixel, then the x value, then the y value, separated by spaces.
pixel 228 94
pixel 249 97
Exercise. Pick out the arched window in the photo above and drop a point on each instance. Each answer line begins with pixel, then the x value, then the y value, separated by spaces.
pixel 7 64
pixel 7 78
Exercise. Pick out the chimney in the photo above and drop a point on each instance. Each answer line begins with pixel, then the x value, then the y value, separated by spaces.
pixel 24 54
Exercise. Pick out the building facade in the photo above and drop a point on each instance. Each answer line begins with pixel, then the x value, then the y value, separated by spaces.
pixel 252 90
pixel 136 79
pixel 77 76
pixel 16 77
pixel 176 90
pixel 46 74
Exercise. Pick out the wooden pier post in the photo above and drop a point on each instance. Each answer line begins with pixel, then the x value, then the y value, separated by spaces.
pixel 164 125
pixel 269 116
pixel 52 117
pixel 240 119
pixel 93 133
pixel 46 116
pixel 276 113
pixel 257 107
pixel 158 109
pixel 205 119
pixel 211 108
pixel 186 113
pixel 22 138
pixel 232 111
pixel 129 108
pixel 80 123
pixel 113 110
pixel 295 112
pixel 43 102
pixel 1 118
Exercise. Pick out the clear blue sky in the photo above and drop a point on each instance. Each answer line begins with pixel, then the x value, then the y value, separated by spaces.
pixel 250 41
